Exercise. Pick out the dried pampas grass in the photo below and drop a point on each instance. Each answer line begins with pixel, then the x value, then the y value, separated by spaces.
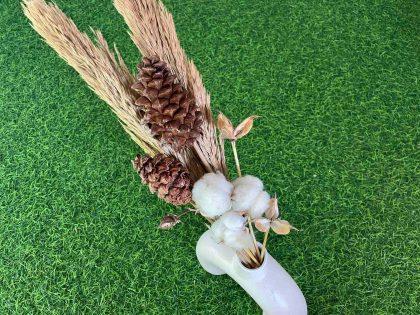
pixel 153 31
pixel 105 74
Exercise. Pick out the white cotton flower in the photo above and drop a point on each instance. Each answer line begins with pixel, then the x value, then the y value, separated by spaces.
pixel 233 220
pixel 248 180
pixel 212 194
pixel 245 192
pixel 229 221
pixel 230 230
pixel 237 239
pixel 243 197
pixel 261 204
pixel 218 229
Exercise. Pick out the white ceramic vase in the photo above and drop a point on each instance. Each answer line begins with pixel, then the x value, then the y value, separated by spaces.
pixel 270 285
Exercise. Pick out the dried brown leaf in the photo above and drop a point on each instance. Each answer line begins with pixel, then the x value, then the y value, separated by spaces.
pixel 281 227
pixel 244 127
pixel 262 224
pixel 225 126
pixel 272 212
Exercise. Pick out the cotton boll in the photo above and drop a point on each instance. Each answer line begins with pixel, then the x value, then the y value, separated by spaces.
pixel 211 202
pixel 219 180
pixel 260 205
pixel 249 180
pixel 246 241
pixel 233 220
pixel 230 229
pixel 237 239
pixel 231 238
pixel 245 192
pixel 229 221
pixel 244 196
pixel 211 193
pixel 218 229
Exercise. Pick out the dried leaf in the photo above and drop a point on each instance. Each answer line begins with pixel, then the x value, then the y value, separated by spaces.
pixel 168 222
pixel 281 227
pixel 262 224
pixel 225 126
pixel 272 212
pixel 244 127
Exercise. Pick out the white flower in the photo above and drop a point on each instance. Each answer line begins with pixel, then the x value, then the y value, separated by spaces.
pixel 212 194
pixel 218 228
pixel 245 192
pixel 230 229
pixel 238 239
pixel 249 180
pixel 261 204
pixel 233 220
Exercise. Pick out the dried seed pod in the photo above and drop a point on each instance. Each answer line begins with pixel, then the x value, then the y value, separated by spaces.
pixel 169 221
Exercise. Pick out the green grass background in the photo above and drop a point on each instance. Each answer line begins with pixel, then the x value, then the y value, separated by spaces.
pixel 336 83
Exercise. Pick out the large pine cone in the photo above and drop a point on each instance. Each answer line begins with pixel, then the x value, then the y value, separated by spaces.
pixel 166 176
pixel 168 108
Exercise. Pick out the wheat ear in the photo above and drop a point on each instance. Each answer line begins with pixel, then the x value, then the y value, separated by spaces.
pixel 152 29
pixel 105 74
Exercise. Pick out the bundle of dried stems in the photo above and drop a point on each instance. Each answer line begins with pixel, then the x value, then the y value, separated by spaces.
pixel 153 31
pixel 106 75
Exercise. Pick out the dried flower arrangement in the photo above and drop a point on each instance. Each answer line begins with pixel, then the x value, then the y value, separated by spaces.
pixel 166 110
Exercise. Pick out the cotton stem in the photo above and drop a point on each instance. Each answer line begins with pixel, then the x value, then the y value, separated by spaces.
pixel 251 229
pixel 250 254
pixel 264 246
pixel 235 155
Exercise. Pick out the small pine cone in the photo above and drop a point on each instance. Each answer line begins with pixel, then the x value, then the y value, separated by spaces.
pixel 166 176
pixel 169 109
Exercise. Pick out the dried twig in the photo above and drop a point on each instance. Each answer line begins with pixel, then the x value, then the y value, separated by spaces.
pixel 251 255
pixel 254 239
pixel 243 256
pixel 264 246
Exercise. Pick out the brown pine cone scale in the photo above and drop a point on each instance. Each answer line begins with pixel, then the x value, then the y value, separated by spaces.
pixel 166 176
pixel 168 108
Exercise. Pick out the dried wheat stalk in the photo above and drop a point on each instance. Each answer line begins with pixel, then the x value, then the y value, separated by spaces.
pixel 153 31
pixel 106 75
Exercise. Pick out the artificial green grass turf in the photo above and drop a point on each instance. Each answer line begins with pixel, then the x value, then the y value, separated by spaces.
pixel 336 84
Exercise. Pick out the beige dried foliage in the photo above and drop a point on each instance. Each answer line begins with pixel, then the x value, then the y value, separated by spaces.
pixel 225 127
pixel 281 227
pixel 272 212
pixel 152 29
pixel 105 74
pixel 262 225
pixel 244 127
pixel 227 131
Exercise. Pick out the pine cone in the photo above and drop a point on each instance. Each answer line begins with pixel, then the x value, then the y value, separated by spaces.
pixel 166 176
pixel 169 109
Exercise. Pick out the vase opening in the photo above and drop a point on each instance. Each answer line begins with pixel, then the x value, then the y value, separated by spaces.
pixel 248 266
